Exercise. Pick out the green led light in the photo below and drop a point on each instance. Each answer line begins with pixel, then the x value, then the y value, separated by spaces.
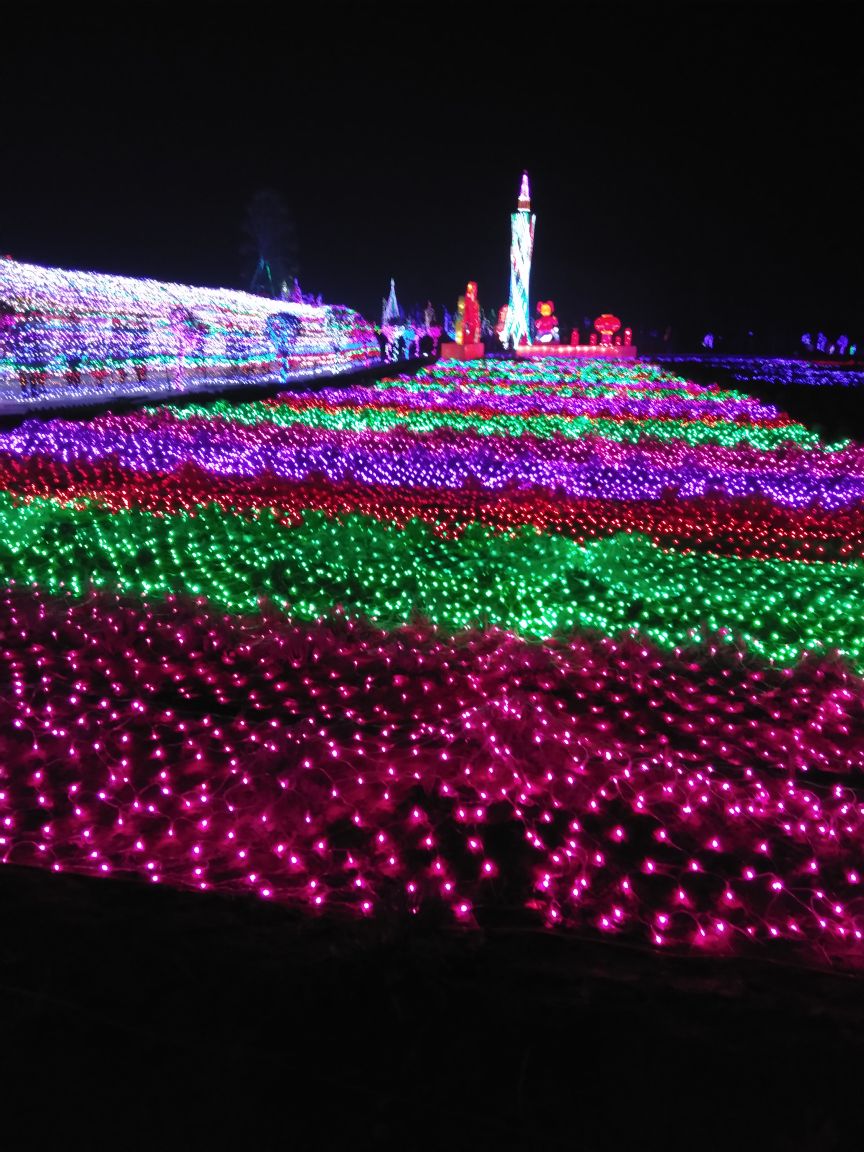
pixel 526 582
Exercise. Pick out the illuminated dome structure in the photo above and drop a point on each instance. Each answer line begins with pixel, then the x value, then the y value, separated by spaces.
pixel 83 337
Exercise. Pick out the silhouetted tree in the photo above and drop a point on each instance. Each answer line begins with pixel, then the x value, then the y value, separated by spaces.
pixel 271 246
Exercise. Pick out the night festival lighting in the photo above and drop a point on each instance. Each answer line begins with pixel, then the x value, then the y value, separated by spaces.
pixel 799 373
pixel 516 323
pixel 585 641
pixel 68 337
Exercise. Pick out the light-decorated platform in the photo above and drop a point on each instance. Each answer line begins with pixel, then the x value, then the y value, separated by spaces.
pixel 578 351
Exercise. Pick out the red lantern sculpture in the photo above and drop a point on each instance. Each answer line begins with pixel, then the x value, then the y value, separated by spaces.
pixel 607 325
pixel 471 321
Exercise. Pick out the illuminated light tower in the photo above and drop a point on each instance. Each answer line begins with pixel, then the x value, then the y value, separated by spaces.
pixel 521 248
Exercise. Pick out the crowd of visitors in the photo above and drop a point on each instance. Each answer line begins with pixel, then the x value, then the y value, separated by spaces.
pixel 411 347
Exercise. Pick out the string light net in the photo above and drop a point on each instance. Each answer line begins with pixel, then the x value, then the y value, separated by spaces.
pixel 575 642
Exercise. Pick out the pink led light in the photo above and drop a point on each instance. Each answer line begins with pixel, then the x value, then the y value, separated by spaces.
pixel 211 822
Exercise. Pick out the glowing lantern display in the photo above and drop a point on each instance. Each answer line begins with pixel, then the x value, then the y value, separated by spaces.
pixel 471 321
pixel 607 325
pixel 546 324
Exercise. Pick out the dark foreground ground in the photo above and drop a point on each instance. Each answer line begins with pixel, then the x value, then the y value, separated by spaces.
pixel 144 1018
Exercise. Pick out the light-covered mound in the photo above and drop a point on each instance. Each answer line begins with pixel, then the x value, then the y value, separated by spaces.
pixel 75 337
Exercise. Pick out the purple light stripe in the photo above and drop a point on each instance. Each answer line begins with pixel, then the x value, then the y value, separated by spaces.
pixel 464 399
pixel 589 467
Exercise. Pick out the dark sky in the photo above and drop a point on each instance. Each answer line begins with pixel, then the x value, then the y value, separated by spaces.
pixel 690 166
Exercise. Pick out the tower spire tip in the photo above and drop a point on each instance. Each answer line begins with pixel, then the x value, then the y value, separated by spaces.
pixel 524 194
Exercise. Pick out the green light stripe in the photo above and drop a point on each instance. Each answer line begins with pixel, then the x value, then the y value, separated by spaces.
pixel 374 419
pixel 530 583
pixel 625 383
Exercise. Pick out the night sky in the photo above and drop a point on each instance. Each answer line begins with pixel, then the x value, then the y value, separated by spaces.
pixel 692 167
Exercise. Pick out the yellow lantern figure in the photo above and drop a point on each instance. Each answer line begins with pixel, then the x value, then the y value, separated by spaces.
pixel 459 323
